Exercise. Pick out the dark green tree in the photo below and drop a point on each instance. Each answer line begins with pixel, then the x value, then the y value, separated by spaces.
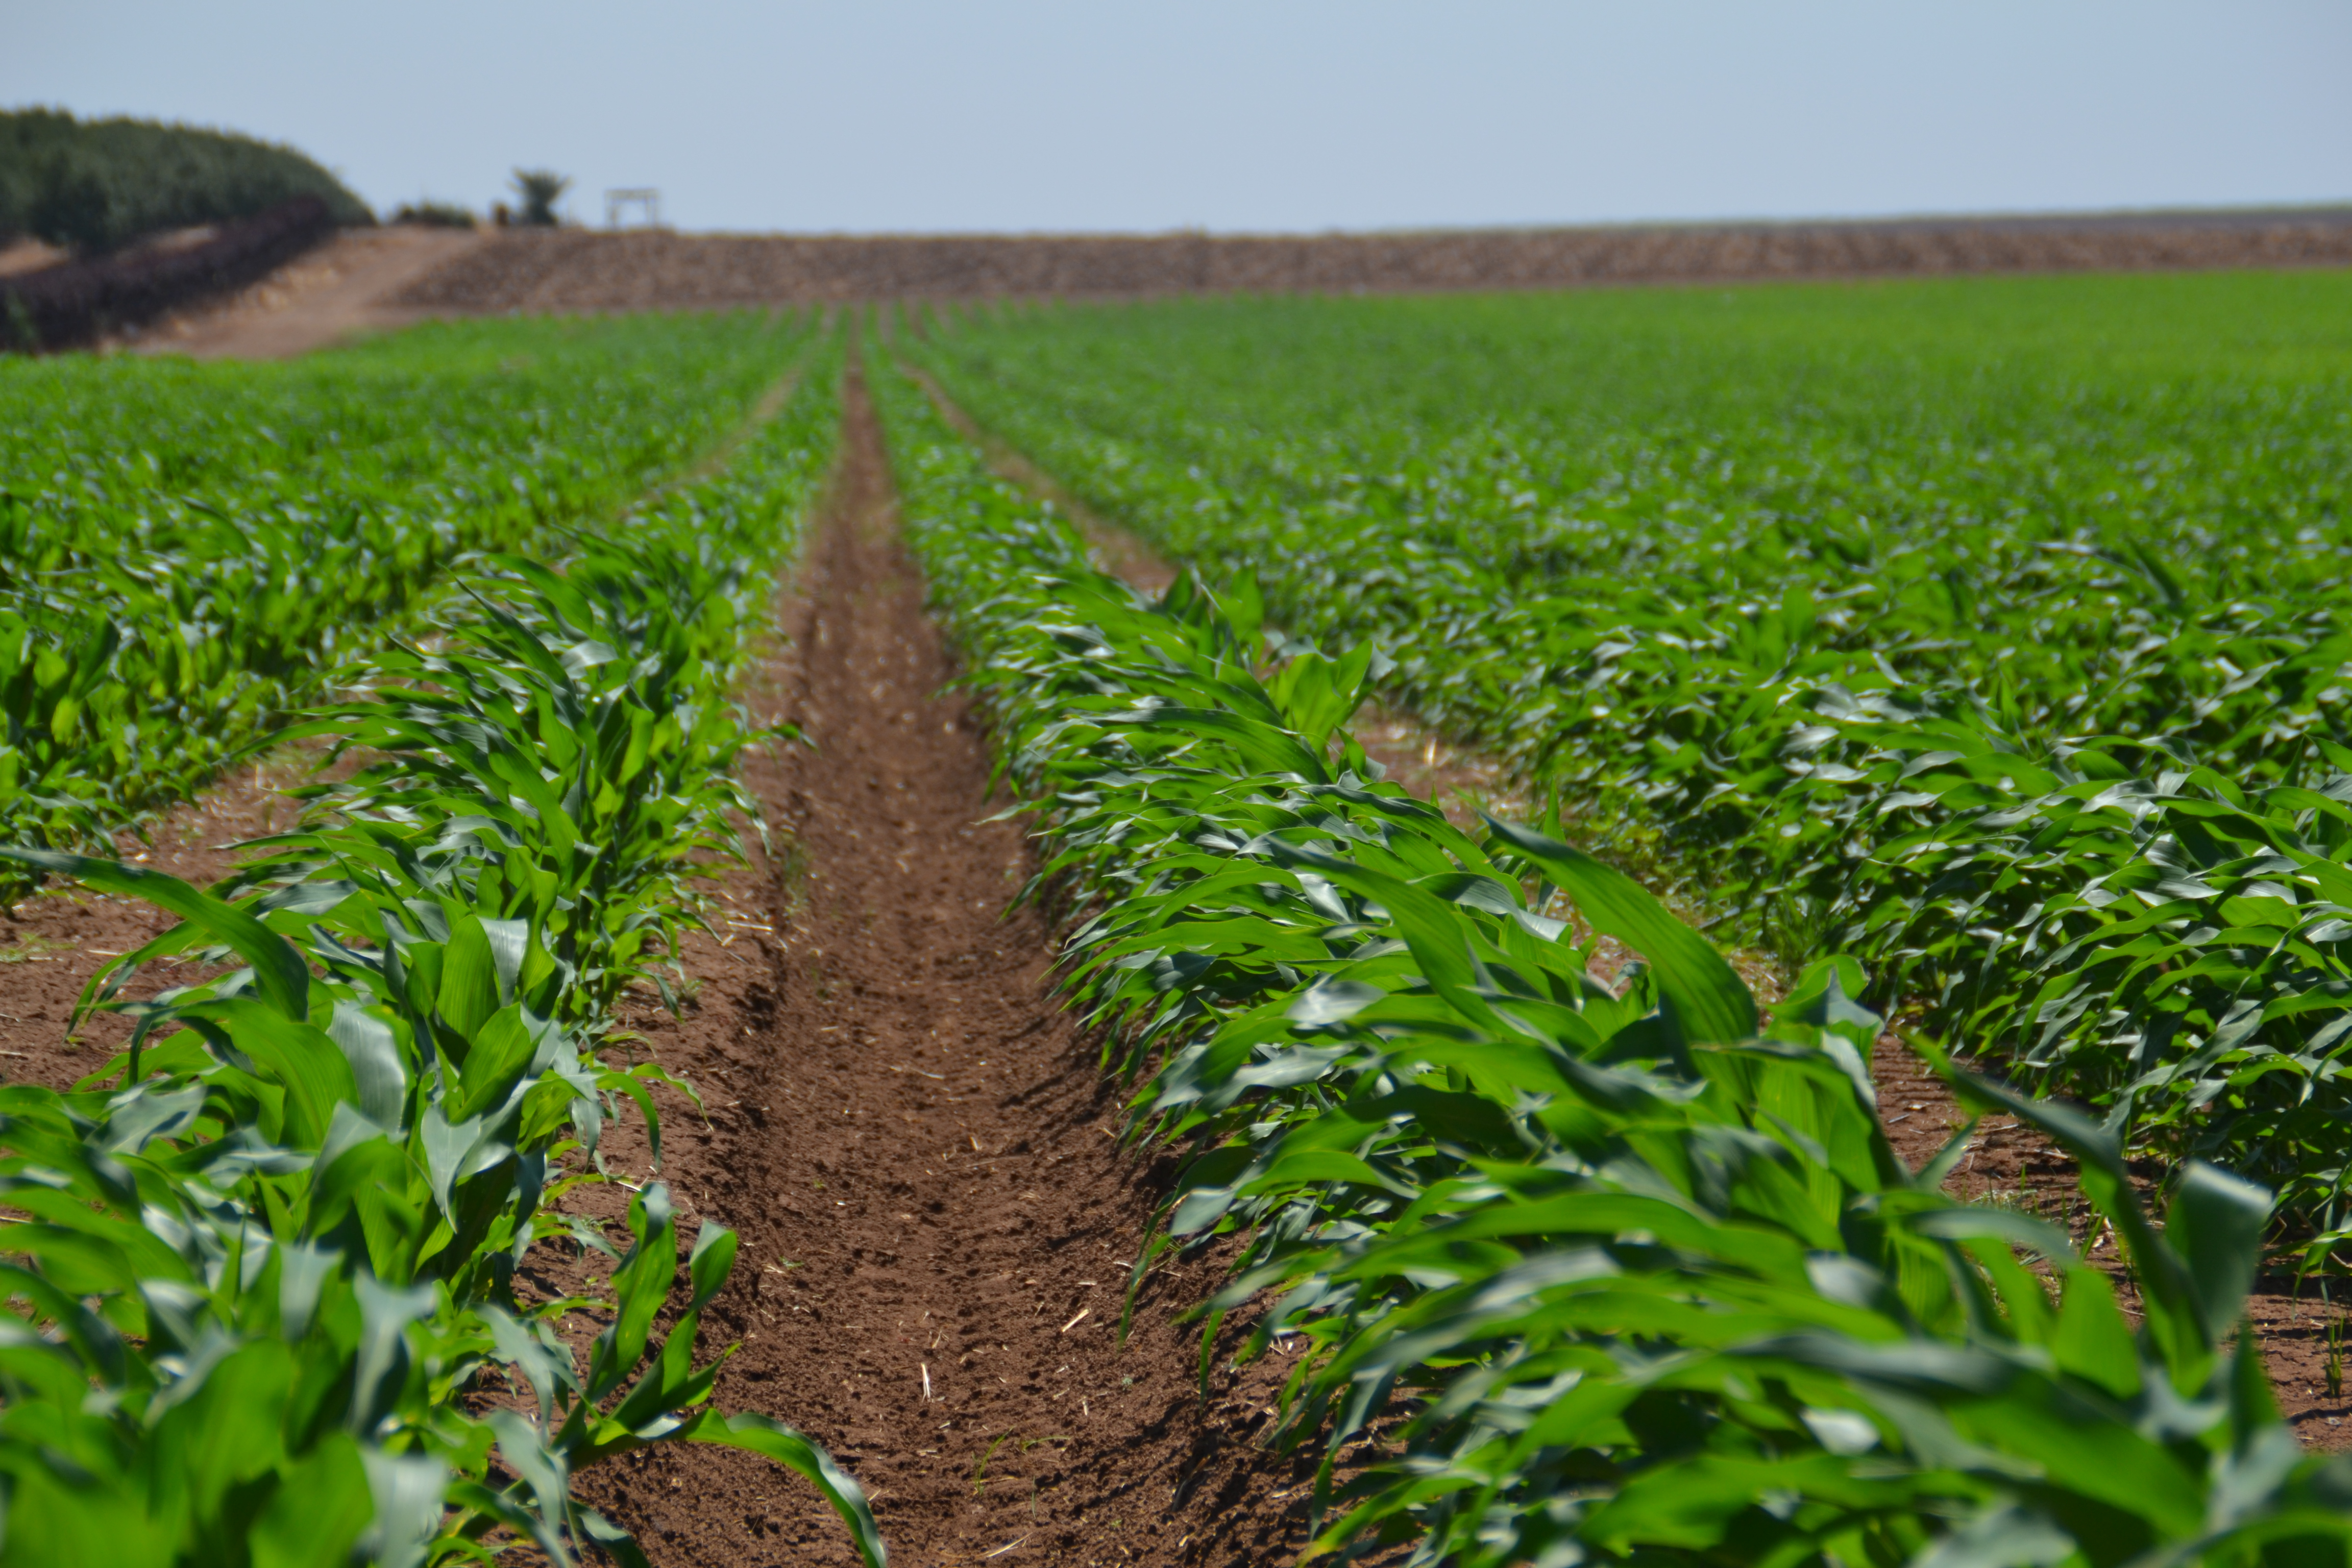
pixel 539 189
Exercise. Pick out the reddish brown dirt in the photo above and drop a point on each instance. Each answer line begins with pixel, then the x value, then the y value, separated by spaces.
pixel 576 269
pixel 55 940
pixel 321 298
pixel 2015 1166
pixel 920 1159
pixel 28 256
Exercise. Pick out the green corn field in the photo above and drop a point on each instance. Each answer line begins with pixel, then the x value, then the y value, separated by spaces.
pixel 1985 632
pixel 1965 659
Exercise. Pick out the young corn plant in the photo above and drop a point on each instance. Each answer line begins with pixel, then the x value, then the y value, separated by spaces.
pixel 566 759
pixel 1919 628
pixel 187 555
pixel 569 759
pixel 269 1270
pixel 1587 1273
pixel 268 1306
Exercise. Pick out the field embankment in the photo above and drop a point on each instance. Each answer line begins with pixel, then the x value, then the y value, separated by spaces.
pixel 584 270
pixel 94 186
pixel 76 302
pixel 325 296
pixel 143 219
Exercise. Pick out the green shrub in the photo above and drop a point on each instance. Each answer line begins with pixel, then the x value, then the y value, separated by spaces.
pixel 539 189
pixel 435 214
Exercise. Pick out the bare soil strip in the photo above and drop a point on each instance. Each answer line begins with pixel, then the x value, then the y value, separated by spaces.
pixel 2012 1165
pixel 577 269
pixel 22 256
pixel 916 1146
pixel 316 300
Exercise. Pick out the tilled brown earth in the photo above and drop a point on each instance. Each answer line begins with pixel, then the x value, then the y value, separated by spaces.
pixel 319 299
pixel 580 269
pixel 919 1155
pixel 54 941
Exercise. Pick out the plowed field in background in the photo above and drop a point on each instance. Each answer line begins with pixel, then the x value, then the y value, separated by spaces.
pixel 576 269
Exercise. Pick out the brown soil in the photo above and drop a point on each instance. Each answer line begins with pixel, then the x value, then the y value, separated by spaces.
pixel 53 941
pixel 2015 1166
pixel 29 256
pixel 914 1143
pixel 573 269
pixel 319 299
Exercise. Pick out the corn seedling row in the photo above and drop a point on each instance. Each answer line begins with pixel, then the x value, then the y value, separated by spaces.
pixel 1585 1276
pixel 185 551
pixel 1989 632
pixel 264 1306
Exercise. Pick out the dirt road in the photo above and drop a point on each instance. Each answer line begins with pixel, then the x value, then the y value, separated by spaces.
pixel 334 292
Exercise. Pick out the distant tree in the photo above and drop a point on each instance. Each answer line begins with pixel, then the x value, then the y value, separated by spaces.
pixel 539 189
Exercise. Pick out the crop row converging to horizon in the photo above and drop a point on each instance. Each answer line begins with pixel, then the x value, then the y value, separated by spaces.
pixel 1969 649
pixel 1990 633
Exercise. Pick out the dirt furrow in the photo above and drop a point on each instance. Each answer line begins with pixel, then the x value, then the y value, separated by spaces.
pixel 921 1158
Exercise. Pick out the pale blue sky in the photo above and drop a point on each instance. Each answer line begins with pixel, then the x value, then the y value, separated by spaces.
pixel 919 115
